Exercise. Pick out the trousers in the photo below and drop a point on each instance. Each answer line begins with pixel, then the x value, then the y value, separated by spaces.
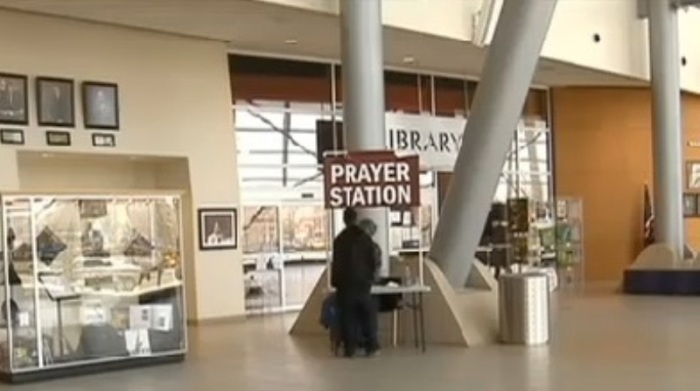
pixel 358 320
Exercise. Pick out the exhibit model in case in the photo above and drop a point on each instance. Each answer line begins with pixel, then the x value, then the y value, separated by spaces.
pixel 89 283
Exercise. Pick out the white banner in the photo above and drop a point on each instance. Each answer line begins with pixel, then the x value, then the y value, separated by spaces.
pixel 436 140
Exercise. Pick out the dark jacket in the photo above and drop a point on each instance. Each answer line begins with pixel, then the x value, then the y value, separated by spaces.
pixel 354 260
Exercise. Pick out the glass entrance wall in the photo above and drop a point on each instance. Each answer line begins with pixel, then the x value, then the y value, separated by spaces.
pixel 279 106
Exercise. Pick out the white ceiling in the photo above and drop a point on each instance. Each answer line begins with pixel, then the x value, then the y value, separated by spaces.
pixel 259 27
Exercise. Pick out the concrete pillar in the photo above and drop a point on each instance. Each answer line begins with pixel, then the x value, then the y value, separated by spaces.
pixel 363 93
pixel 505 81
pixel 667 129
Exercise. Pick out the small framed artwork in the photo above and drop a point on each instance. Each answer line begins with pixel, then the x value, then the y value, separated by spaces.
pixel 218 228
pixel 55 102
pixel 13 99
pixel 12 136
pixel 690 205
pixel 103 140
pixel 692 174
pixel 100 105
pixel 58 139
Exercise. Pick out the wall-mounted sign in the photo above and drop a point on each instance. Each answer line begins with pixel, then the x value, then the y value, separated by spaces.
pixel 103 140
pixel 12 136
pixel 58 138
pixel 371 179
pixel 435 139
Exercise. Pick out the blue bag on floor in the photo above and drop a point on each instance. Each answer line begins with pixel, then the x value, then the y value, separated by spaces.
pixel 330 318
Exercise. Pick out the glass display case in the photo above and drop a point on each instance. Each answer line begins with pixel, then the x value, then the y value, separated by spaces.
pixel 89 282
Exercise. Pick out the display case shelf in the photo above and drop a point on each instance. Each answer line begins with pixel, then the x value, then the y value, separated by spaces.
pixel 569 242
pixel 90 282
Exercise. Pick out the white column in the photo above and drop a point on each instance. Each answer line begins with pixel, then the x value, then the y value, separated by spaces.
pixel 363 93
pixel 667 124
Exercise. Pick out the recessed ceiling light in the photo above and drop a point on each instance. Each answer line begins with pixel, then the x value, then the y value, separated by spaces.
pixel 409 60
pixel 291 41
pixel 45 155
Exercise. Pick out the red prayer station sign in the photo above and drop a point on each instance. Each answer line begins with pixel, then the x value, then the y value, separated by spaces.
pixel 371 179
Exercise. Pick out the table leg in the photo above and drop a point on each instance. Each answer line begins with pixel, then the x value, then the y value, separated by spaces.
pixel 422 321
pixel 394 328
pixel 59 315
pixel 414 309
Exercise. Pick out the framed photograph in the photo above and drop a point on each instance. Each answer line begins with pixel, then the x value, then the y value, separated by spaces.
pixel 12 136
pixel 55 102
pixel 690 205
pixel 13 99
pixel 100 105
pixel 218 228
pixel 692 174
pixel 58 139
pixel 103 140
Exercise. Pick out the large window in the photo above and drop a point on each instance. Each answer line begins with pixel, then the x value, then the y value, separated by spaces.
pixel 277 143
pixel 526 171
pixel 278 105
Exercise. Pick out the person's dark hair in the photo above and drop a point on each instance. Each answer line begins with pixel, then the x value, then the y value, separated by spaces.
pixel 350 216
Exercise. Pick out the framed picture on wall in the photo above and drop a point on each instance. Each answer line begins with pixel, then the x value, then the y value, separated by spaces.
pixel 55 102
pixel 692 174
pixel 218 228
pixel 690 205
pixel 100 105
pixel 13 99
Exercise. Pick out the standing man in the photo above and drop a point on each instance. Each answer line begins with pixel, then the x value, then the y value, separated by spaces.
pixel 352 275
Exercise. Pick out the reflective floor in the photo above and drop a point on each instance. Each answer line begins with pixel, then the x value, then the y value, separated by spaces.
pixel 602 342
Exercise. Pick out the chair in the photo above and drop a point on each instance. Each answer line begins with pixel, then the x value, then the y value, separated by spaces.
pixel 391 304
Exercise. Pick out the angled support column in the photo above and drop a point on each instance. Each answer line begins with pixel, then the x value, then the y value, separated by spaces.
pixel 506 79
pixel 363 93
pixel 667 128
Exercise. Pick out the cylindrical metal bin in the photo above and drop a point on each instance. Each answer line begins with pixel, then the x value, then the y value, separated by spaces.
pixel 523 301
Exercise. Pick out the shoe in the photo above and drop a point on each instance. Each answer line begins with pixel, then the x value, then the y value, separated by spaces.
pixel 372 352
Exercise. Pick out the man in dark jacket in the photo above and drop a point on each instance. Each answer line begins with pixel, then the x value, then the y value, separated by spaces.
pixel 352 274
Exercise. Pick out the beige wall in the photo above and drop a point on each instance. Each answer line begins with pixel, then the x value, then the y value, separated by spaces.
pixel 603 154
pixel 174 101
pixel 40 172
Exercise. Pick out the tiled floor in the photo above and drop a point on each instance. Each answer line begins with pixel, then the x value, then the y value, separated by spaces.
pixel 602 342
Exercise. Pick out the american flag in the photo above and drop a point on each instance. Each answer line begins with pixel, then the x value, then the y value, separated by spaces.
pixel 648 218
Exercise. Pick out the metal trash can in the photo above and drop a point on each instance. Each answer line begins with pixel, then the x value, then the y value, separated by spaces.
pixel 523 301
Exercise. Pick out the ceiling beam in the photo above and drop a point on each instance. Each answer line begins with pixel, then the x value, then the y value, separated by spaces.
pixel 686 3
pixel 643 11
